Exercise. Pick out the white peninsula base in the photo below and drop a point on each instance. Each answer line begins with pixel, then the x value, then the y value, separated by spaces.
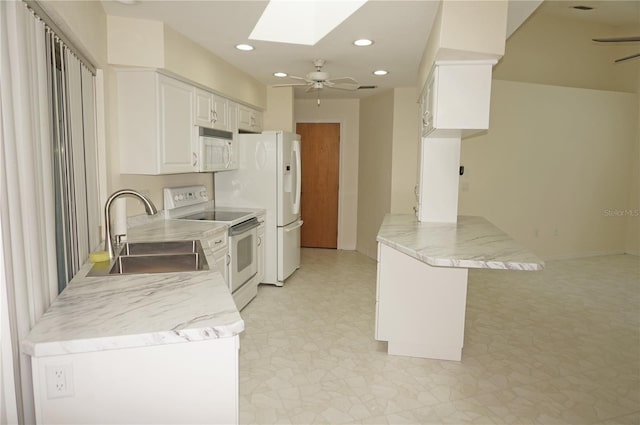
pixel 420 309
pixel 422 280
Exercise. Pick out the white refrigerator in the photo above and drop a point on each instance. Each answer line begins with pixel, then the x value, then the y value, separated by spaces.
pixel 269 177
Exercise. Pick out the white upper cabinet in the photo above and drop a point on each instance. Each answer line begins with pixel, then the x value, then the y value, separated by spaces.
pixel 249 120
pixel 211 110
pixel 455 99
pixel 155 124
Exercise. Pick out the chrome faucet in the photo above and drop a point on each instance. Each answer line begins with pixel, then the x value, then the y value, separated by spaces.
pixel 148 206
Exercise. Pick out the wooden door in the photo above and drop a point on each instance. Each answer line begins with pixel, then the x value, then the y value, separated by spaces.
pixel 320 153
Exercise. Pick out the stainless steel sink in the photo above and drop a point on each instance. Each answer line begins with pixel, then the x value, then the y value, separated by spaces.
pixel 154 257
pixel 163 248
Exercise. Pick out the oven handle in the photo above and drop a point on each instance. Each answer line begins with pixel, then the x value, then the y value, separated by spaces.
pixel 243 227
pixel 294 226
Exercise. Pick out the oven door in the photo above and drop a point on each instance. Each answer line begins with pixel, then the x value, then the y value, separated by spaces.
pixel 243 246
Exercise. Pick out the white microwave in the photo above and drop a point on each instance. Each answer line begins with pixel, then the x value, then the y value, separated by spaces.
pixel 216 150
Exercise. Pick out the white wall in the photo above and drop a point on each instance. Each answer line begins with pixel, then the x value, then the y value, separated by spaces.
pixel 554 166
pixel 375 165
pixel 84 24
pixel 279 113
pixel 347 113
pixel 465 30
pixel 558 51
pixel 405 153
pixel 190 60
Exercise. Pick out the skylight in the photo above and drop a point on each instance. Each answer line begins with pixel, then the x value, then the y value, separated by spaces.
pixel 302 21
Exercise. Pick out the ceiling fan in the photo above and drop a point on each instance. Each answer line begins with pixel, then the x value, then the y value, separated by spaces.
pixel 319 80
pixel 620 40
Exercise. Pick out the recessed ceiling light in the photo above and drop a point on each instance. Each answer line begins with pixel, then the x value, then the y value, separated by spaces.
pixel 380 72
pixel 244 47
pixel 583 7
pixel 363 42
pixel 128 2
pixel 280 74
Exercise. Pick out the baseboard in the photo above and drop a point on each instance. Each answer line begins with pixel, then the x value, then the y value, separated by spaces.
pixel 583 255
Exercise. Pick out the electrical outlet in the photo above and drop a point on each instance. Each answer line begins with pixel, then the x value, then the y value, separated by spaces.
pixel 59 380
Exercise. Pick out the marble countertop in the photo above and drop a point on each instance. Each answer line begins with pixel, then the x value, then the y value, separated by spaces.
pixel 115 312
pixel 472 242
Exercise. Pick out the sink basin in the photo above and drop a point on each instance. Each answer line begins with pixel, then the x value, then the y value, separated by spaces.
pixel 157 263
pixel 154 257
pixel 153 248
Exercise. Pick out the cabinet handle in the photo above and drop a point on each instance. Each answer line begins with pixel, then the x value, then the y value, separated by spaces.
pixel 259 241
pixel 425 118
pixel 195 159
pixel 228 259
pixel 214 116
pixel 218 242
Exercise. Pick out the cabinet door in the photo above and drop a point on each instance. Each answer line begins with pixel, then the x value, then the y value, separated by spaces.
pixel 249 119
pixel 219 113
pixel 203 108
pixel 211 110
pixel 176 129
pixel 256 121
pixel 219 245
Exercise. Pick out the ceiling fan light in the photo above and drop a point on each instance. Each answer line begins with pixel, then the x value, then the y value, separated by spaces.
pixel 363 42
pixel 244 47
pixel 380 72
pixel 280 74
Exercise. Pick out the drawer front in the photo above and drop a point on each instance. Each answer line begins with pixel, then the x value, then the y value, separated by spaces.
pixel 218 243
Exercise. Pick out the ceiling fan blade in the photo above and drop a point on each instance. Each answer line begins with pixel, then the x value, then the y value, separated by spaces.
pixel 289 85
pixel 295 77
pixel 346 87
pixel 346 80
pixel 635 55
pixel 616 39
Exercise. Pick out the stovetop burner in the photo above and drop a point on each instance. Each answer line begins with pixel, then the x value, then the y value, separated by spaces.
pixel 216 215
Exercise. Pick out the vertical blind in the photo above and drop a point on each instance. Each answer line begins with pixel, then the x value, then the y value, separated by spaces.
pixel 75 177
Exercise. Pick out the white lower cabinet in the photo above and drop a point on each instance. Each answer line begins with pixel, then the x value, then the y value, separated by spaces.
pixel 191 382
pixel 420 309
pixel 218 243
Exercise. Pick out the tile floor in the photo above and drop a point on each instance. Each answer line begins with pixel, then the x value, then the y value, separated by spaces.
pixel 557 346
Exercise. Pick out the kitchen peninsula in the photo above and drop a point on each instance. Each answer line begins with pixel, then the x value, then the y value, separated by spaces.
pixel 422 280
pixel 143 348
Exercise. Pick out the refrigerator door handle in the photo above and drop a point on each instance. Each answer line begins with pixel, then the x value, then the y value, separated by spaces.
pixel 298 168
pixel 293 226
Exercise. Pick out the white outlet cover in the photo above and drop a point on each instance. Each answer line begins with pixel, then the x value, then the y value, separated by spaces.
pixel 59 380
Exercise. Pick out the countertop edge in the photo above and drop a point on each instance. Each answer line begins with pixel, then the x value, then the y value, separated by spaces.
pixel 120 342
pixel 412 227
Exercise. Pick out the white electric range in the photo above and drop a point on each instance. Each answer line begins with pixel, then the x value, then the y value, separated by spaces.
pixel 192 203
